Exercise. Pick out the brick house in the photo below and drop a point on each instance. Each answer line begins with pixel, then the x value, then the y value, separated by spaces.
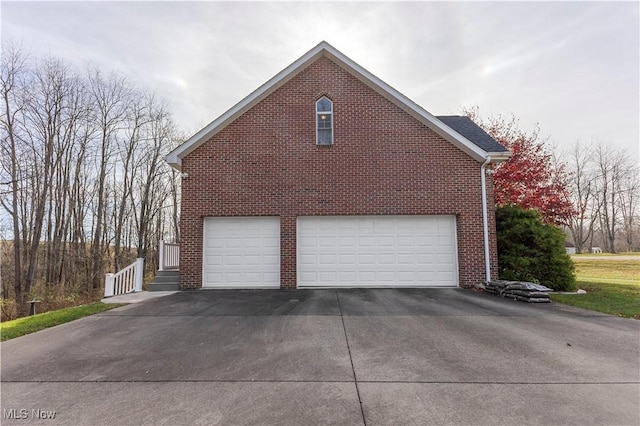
pixel 325 176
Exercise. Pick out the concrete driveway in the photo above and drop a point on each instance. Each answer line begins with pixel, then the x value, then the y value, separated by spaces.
pixel 352 357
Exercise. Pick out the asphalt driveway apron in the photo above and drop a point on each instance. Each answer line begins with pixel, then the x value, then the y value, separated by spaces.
pixel 375 357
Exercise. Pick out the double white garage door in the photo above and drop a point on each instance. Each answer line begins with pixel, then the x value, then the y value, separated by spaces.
pixel 333 251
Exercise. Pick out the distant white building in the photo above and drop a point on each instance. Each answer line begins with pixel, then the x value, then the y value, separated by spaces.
pixel 570 248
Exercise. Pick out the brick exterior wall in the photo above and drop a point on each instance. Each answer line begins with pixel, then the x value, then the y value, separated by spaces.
pixel 383 162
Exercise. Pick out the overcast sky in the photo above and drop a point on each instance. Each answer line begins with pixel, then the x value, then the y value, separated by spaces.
pixel 572 67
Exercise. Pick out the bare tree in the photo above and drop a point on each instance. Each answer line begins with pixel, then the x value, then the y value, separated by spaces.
pixel 79 199
pixel 137 118
pixel 12 71
pixel 582 186
pixel 82 173
pixel 59 218
pixel 50 88
pixel 152 170
pixel 629 199
pixel 613 168
pixel 110 98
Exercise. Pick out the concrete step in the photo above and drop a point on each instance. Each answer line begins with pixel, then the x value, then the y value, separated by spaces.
pixel 171 273
pixel 163 287
pixel 164 281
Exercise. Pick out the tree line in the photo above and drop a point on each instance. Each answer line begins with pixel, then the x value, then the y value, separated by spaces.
pixel 605 194
pixel 83 182
pixel 84 188
pixel 591 190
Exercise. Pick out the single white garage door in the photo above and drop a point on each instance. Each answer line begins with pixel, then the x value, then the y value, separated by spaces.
pixel 377 251
pixel 241 252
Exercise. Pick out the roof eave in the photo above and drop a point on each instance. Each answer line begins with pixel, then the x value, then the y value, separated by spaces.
pixel 174 158
pixel 407 105
pixel 499 157
pixel 174 161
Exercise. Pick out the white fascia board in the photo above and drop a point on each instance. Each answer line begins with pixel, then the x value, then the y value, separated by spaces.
pixel 174 158
pixel 499 157
pixel 407 105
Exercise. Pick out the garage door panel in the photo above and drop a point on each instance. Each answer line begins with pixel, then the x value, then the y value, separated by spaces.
pixel 241 252
pixel 444 240
pixel 272 277
pixel 346 241
pixel 424 276
pixel 346 259
pixel 367 277
pixel 309 242
pixel 347 276
pixel 308 276
pixel 404 225
pixel 406 258
pixel 367 259
pixel 364 225
pixel 327 259
pixel 387 276
pixel 385 227
pixel 252 243
pixel 443 259
pixel 444 276
pixel 327 241
pixel 233 260
pixel 272 242
pixel 272 260
pixel 425 258
pixel 252 276
pixel 406 277
pixel 366 241
pixel 214 243
pixel 252 260
pixel 385 241
pixel 308 259
pixel 406 241
pixel 235 277
pixel 327 276
pixel 213 260
pixel 372 251
pixel 424 241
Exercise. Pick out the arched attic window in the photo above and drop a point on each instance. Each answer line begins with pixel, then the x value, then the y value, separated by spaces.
pixel 324 121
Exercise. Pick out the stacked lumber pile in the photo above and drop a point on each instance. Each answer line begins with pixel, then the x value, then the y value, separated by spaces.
pixel 519 290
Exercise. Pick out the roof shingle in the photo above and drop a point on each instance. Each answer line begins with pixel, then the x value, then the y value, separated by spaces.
pixel 474 133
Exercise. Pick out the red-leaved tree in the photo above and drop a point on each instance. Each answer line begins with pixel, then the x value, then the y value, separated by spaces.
pixel 530 178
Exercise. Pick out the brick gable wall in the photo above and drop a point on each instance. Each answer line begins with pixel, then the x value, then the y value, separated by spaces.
pixel 383 162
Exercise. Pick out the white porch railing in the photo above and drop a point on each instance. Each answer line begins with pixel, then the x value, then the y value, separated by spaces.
pixel 127 280
pixel 168 256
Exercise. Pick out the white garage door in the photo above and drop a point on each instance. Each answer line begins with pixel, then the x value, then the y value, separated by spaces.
pixel 241 252
pixel 377 251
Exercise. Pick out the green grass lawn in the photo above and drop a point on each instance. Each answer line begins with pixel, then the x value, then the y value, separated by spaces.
pixel 21 326
pixel 612 283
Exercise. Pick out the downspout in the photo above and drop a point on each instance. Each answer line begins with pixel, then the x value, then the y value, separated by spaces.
pixel 485 219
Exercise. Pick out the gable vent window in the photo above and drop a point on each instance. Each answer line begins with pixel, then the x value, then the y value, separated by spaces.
pixel 324 121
